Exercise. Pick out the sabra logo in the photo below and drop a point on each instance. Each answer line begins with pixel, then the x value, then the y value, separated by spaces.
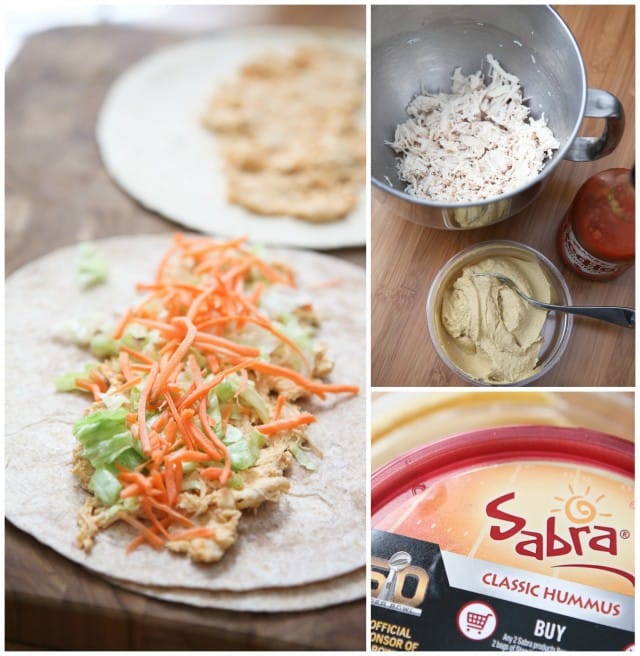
pixel 585 531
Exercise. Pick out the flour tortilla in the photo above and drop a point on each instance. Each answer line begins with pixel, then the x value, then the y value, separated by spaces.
pixel 339 590
pixel 155 147
pixel 315 532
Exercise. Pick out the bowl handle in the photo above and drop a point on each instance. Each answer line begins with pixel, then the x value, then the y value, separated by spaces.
pixel 600 104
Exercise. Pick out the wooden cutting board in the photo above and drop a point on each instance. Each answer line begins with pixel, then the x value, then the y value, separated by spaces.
pixel 405 257
pixel 58 193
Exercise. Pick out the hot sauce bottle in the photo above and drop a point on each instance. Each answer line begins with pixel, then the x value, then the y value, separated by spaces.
pixel 597 234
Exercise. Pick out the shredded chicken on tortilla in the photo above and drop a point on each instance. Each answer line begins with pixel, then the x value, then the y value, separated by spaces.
pixel 474 143
pixel 196 414
pixel 290 133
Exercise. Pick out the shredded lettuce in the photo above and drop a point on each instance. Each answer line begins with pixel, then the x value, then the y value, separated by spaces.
pixel 141 339
pixel 105 438
pixel 226 389
pixel 300 335
pixel 92 267
pixel 103 346
pixel 233 435
pixel 113 401
pixel 251 398
pixel 105 485
pixel 189 466
pixel 213 408
pixel 67 382
pixel 92 331
pixel 130 505
pixel 243 451
pixel 81 331
pixel 235 482
pixel 304 458
pixel 130 458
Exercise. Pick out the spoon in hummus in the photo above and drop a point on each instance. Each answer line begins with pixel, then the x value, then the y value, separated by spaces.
pixel 621 316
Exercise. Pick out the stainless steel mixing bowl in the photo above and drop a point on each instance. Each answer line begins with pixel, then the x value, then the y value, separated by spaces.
pixel 415 47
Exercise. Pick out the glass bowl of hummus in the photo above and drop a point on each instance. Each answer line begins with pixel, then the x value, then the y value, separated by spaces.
pixel 482 329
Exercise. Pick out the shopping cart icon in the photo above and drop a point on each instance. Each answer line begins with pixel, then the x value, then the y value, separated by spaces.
pixel 477 621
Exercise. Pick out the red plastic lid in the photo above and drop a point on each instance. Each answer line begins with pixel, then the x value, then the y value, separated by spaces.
pixel 391 483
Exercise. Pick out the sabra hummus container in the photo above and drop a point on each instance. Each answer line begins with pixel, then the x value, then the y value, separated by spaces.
pixel 513 538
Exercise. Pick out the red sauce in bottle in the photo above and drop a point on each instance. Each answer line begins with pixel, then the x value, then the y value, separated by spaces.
pixel 597 235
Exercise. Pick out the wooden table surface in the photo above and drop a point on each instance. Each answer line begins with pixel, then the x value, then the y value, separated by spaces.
pixel 405 257
pixel 58 193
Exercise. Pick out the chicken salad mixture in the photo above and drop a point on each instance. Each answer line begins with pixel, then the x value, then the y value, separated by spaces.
pixel 196 413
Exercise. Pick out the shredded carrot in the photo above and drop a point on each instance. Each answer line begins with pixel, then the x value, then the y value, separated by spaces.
pixel 198 437
pixel 226 414
pixel 205 338
pixel 139 479
pixel 279 405
pixel 123 359
pixel 140 367
pixel 286 424
pixel 177 418
pixel 88 386
pixel 213 362
pixel 122 324
pixel 263 323
pixel 99 380
pixel 145 533
pixel 256 292
pixel 128 385
pixel 211 473
pixel 192 534
pixel 142 408
pixel 319 389
pixel 148 511
pixel 132 490
pixel 204 389
pixel 161 421
pixel 136 354
pixel 171 431
pixel 177 356
pixel 170 512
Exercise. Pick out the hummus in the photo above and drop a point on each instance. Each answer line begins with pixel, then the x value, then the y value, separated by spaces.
pixel 495 336
pixel 290 132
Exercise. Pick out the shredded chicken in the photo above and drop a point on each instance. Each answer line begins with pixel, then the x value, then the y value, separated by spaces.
pixel 222 516
pixel 474 143
pixel 92 517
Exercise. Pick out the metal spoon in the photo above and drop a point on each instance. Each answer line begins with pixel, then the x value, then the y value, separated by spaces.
pixel 621 316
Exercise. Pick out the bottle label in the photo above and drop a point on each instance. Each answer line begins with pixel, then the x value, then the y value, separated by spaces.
pixel 584 261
